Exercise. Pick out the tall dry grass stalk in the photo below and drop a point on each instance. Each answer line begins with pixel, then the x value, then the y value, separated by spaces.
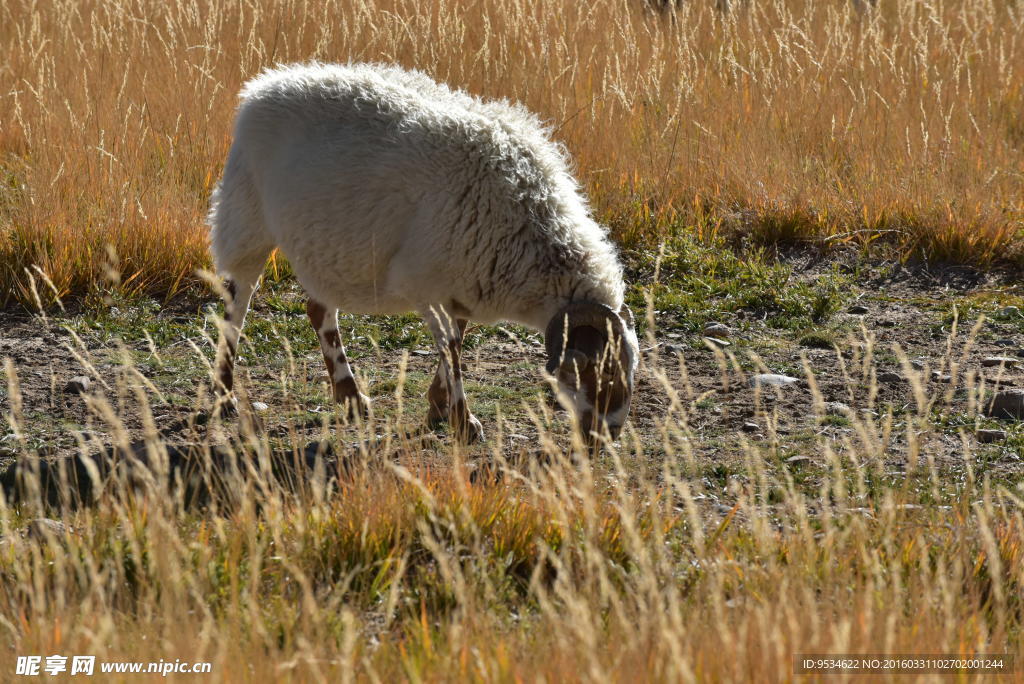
pixel 785 118
pixel 630 566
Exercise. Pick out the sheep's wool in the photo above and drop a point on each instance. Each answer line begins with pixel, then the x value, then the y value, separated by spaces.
pixel 389 192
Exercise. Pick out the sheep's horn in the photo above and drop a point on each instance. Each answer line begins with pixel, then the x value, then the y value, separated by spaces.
pixel 579 313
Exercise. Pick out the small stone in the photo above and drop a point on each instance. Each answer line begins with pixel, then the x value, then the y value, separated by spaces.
pixel 42 528
pixel 941 377
pixel 673 348
pixel 716 329
pixel 422 352
pixel 751 427
pixel 1005 342
pixel 889 378
pixel 1009 311
pixel 991 361
pixel 260 406
pixel 836 408
pixel 799 458
pixel 857 310
pixel 887 324
pixel 78 385
pixel 772 379
pixel 991 435
pixel 714 341
pixel 1007 404
pixel 917 364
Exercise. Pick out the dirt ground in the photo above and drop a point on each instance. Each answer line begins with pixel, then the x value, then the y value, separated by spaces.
pixel 862 379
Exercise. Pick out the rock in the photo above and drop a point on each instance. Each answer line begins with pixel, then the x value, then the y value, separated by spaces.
pixel 716 329
pixel 991 361
pixel 772 379
pixel 941 377
pixel 917 364
pixel 714 341
pixel 422 352
pixel 857 310
pixel 1005 342
pixel 751 427
pixel 991 435
pixel 44 528
pixel 887 324
pixel 889 378
pixel 836 408
pixel 260 406
pixel 1007 404
pixel 78 385
pixel 799 458
pixel 1009 312
pixel 673 348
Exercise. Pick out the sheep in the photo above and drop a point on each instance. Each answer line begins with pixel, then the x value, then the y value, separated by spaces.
pixel 389 192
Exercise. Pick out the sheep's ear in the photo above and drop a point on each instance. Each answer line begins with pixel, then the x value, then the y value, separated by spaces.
pixel 574 362
pixel 568 363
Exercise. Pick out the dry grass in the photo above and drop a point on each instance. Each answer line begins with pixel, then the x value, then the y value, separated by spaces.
pixel 785 119
pixel 629 566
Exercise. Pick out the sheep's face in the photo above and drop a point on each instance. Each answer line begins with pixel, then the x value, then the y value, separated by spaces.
pixel 593 357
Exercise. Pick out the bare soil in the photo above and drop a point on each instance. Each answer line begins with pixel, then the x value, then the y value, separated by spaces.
pixel 907 311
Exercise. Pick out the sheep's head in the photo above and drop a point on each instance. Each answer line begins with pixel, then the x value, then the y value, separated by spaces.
pixel 592 352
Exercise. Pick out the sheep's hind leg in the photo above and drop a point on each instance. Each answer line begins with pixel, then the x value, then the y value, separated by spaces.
pixel 343 382
pixel 446 396
pixel 239 293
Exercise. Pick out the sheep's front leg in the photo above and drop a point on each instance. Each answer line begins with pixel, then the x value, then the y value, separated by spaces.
pixel 343 381
pixel 437 395
pixel 446 395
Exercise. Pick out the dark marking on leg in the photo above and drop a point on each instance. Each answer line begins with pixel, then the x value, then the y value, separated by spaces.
pixel 316 312
pixel 346 388
pixel 437 397
pixel 329 362
pixel 226 374
pixel 226 356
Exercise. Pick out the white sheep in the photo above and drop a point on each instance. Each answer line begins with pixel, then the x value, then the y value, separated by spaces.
pixel 388 193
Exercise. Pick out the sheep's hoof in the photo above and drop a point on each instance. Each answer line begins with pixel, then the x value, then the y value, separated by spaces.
pixel 355 405
pixel 436 418
pixel 470 431
pixel 225 406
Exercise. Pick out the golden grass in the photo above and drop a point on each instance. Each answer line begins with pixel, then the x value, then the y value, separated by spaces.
pixel 787 119
pixel 626 567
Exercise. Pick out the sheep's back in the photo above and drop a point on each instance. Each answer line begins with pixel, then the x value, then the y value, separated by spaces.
pixel 383 184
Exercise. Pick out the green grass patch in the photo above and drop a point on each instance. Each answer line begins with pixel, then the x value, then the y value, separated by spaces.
pixel 694 281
